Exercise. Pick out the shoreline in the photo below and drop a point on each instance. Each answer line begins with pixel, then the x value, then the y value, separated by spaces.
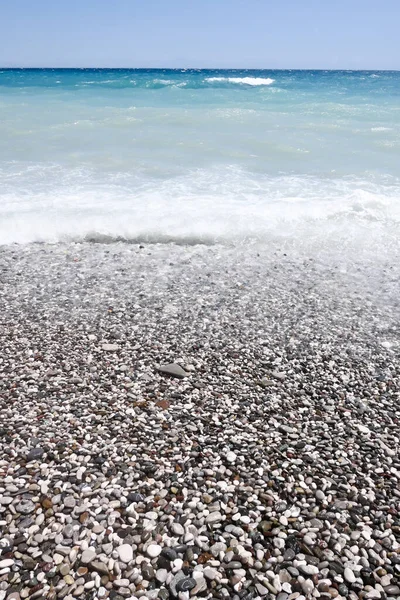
pixel 270 469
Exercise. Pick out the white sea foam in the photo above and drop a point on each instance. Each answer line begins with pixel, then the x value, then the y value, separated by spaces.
pixel 243 80
pixel 228 205
pixel 164 81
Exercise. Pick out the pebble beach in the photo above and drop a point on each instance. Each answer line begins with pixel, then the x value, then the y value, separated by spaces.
pixel 198 422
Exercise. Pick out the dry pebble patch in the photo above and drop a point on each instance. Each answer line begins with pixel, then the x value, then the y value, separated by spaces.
pixel 199 422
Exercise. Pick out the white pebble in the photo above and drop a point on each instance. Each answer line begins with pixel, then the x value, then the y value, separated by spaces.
pixel 125 553
pixel 7 562
pixel 154 550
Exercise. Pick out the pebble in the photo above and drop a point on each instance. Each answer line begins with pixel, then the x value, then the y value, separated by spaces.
pixel 201 584
pixel 185 585
pixel 35 454
pixel 87 556
pixel 210 573
pixel 125 553
pixel 173 586
pixel 349 575
pixel 177 529
pixel 110 347
pixel 154 550
pixel 25 507
pixel 214 517
pixel 161 575
pixel 7 562
pixel 173 370
pixel 123 479
pixel 99 567
pixel 392 590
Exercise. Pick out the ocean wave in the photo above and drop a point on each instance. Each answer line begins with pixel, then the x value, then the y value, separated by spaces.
pixel 243 80
pixel 176 81
pixel 220 205
pixel 165 81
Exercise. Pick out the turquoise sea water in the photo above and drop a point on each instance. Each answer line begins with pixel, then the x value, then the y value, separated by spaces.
pixel 199 155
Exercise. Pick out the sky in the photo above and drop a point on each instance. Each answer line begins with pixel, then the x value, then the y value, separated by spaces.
pixel 294 34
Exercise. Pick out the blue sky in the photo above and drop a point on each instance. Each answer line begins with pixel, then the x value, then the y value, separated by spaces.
pixel 351 34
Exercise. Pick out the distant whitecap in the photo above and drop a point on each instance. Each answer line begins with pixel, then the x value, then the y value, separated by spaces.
pixel 243 80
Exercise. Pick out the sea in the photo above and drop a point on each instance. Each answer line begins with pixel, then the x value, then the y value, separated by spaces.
pixel 203 156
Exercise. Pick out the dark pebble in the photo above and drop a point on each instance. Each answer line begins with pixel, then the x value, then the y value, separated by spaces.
pixel 148 572
pixel 164 563
pixel 135 497
pixel 35 454
pixel 180 549
pixel 185 585
pixel 289 554
pixel 169 553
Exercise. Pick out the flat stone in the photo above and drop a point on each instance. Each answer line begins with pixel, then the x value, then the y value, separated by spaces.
pixel 392 590
pixel 173 370
pixel 154 550
pixel 121 582
pixel 7 562
pixel 87 556
pixel 35 454
pixel 177 529
pixel 317 523
pixel 210 573
pixel 308 569
pixel 234 564
pixel 63 550
pixel 161 575
pixel 110 347
pixel 5 500
pixel 98 529
pixel 25 507
pixel 349 575
pixel 99 567
pixel 263 591
pixel 125 553
pixel 214 517
pixel 58 558
pixel 69 502
pixel 185 585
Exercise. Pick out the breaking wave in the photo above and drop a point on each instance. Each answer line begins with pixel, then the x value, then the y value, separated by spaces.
pixel 243 80
pixel 218 205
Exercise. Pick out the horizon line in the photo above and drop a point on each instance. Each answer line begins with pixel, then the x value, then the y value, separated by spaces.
pixel 10 68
